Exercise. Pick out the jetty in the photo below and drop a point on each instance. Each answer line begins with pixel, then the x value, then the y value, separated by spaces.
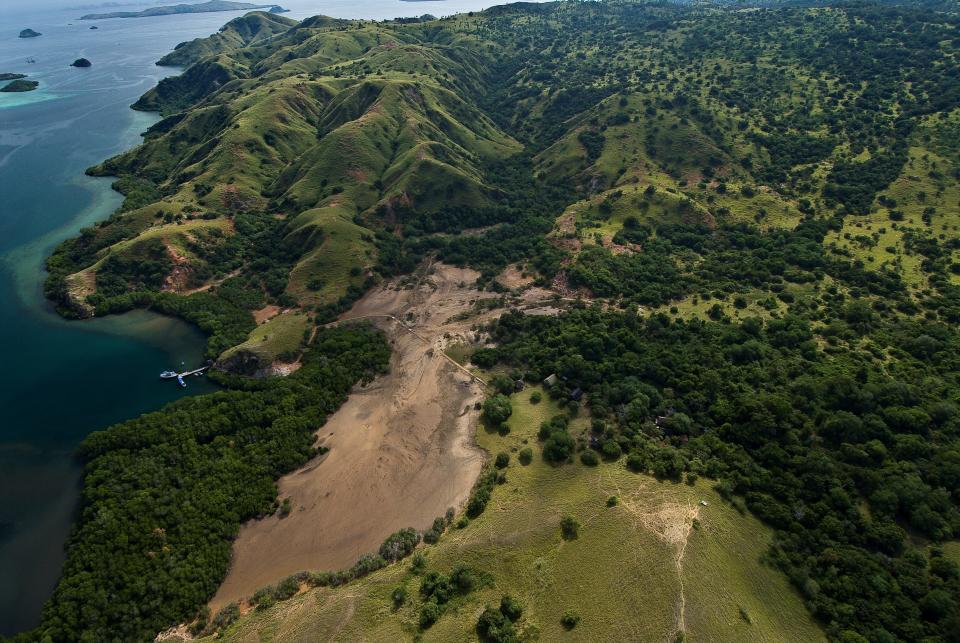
pixel 170 375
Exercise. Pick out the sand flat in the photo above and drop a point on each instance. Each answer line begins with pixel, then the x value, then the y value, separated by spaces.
pixel 401 448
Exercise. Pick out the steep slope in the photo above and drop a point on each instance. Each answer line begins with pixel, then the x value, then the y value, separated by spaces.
pixel 254 28
pixel 267 142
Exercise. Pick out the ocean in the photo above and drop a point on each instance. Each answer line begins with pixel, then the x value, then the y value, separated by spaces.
pixel 60 380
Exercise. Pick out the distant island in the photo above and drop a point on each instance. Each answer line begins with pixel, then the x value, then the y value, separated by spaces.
pixel 8 76
pixel 20 86
pixel 81 62
pixel 30 33
pixel 203 7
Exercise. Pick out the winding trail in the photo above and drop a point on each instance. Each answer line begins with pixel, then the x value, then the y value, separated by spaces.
pixel 671 522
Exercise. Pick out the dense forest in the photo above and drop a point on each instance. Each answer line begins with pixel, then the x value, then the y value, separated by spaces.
pixel 164 494
pixel 755 208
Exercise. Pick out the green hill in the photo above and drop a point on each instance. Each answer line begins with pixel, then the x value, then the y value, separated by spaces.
pixel 744 219
pixel 255 28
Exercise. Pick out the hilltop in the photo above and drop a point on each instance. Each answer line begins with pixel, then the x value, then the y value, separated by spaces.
pixel 723 241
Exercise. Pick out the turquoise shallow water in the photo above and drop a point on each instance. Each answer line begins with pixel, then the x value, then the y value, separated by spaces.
pixel 61 380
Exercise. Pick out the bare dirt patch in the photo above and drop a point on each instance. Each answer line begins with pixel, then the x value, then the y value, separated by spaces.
pixel 266 313
pixel 513 278
pixel 401 449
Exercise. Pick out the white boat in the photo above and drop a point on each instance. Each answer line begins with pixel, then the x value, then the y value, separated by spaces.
pixel 168 375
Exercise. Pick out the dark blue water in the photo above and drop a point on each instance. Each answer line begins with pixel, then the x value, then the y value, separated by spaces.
pixel 60 380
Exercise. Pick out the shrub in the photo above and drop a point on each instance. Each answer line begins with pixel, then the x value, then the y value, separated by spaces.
pixel 502 460
pixel 419 563
pixel 263 597
pixel 613 501
pixel 400 544
pixel 481 493
pixel 558 447
pixel 497 409
pixel 436 530
pixel 510 607
pixel 225 617
pixel 429 614
pixel 463 579
pixel 503 384
pixel 494 627
pixel 569 528
pixel 367 564
pixel 590 458
pixel 436 587
pixel 535 397
pixel 611 450
pixel 398 596
pixel 557 423
pixel 199 626
pixel 287 588
pixel 525 456
pixel 570 619
pixel 636 463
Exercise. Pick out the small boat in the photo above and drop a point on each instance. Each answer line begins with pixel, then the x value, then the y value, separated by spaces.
pixel 168 375
pixel 181 382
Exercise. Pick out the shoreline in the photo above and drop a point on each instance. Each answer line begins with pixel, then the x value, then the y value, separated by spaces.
pixel 42 478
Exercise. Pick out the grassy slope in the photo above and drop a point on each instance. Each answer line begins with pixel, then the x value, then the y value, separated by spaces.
pixel 620 574
pixel 176 236
pixel 878 241
pixel 282 335
pixel 315 137
pixel 342 246
pixel 253 28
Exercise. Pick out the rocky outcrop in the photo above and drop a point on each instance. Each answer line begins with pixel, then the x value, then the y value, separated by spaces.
pixel 20 86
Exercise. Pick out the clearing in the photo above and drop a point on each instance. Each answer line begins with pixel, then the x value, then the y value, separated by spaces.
pixel 401 448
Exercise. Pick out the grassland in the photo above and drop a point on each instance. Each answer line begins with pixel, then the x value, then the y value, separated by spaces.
pixel 342 253
pixel 278 339
pixel 878 238
pixel 627 574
